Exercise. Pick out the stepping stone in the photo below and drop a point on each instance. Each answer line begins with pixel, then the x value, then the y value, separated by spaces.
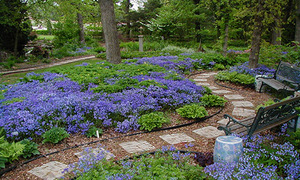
pixel 136 146
pixel 242 104
pixel 223 121
pixel 209 74
pixel 202 84
pixel 221 91
pixel 209 132
pixel 108 155
pixel 243 112
pixel 50 170
pixel 202 80
pixel 213 87
pixel 233 97
pixel 176 138
pixel 202 76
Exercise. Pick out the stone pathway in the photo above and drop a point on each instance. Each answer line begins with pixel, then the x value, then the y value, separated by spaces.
pixel 241 108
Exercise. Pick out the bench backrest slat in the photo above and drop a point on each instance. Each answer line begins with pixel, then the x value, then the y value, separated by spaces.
pixel 279 112
pixel 287 72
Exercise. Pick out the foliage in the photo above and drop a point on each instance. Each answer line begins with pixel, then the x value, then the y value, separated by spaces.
pixel 55 135
pixel 211 100
pixel 65 33
pixel 93 132
pixel 192 111
pixel 166 164
pixel 31 148
pixel 235 77
pixel 207 90
pixel 15 26
pixel 152 120
pixel 66 97
pixel 262 158
pixel 294 139
pixel 9 151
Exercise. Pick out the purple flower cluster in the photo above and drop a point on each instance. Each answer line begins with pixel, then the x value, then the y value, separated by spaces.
pixel 50 99
pixel 282 157
pixel 260 70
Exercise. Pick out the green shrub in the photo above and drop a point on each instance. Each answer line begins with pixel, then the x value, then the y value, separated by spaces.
pixel 152 120
pixel 176 49
pixel 213 100
pixel 9 151
pixel 235 77
pixel 207 90
pixel 294 139
pixel 219 67
pixel 55 135
pixel 31 148
pixel 93 132
pixel 192 111
pixel 99 49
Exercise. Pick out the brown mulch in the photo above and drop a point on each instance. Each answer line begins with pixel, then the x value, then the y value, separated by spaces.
pixel 201 144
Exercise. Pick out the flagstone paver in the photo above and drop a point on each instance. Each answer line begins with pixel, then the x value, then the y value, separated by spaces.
pixel 221 92
pixel 106 153
pixel 49 171
pixel 176 138
pixel 223 121
pixel 201 80
pixel 212 87
pixel 209 74
pixel 233 96
pixel 202 84
pixel 202 77
pixel 243 112
pixel 137 146
pixel 209 132
pixel 242 104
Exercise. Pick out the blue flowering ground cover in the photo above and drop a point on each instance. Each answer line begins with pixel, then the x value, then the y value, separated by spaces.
pixel 264 157
pixel 96 94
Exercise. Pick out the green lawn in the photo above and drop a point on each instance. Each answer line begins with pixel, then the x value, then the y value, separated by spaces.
pixel 46 37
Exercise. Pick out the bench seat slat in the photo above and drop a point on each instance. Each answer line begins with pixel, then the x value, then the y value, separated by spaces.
pixel 276 84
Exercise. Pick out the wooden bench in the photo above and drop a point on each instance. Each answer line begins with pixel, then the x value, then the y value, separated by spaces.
pixel 286 77
pixel 266 118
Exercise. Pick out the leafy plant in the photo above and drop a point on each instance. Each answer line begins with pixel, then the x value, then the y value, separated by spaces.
pixel 192 111
pixel 55 135
pixel 152 120
pixel 294 139
pixel 31 148
pixel 235 77
pixel 207 90
pixel 165 164
pixel 93 132
pixel 9 151
pixel 210 100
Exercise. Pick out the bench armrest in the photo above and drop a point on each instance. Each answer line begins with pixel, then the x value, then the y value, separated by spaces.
pixel 233 120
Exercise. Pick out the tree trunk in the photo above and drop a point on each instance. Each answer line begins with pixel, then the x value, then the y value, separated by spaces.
pixel 297 30
pixel 81 29
pixel 16 42
pixel 226 35
pixel 113 54
pixel 127 8
pixel 276 32
pixel 256 37
pixel 197 23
